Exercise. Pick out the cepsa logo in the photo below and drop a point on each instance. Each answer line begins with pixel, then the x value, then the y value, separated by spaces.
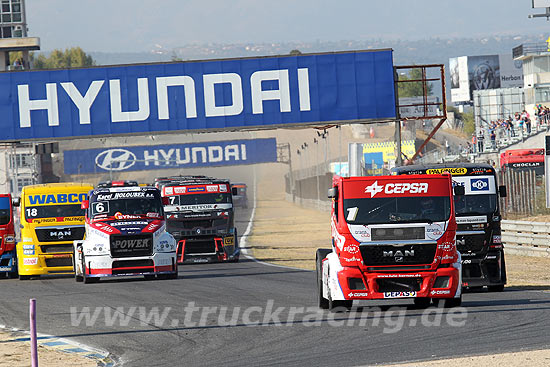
pixel 397 188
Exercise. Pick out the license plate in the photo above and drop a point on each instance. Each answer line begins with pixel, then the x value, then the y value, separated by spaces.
pixel 399 294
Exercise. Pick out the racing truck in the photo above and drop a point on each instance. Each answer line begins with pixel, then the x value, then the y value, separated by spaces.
pixel 51 219
pixel 8 259
pixel 240 197
pixel 125 235
pixel 478 236
pixel 392 237
pixel 200 216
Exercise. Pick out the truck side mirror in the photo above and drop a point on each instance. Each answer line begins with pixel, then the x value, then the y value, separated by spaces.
pixel 16 201
pixel 459 190
pixel 234 191
pixel 502 192
pixel 85 204
pixel 333 193
pixel 165 200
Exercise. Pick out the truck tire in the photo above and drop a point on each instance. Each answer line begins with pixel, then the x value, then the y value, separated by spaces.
pixel 496 288
pixel 448 302
pixel 340 305
pixel 87 280
pixel 322 302
pixel 422 302
pixel 77 278
pixel 500 287
pixel 24 277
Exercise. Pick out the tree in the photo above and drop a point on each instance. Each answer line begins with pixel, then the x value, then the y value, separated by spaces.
pixel 73 57
pixel 412 89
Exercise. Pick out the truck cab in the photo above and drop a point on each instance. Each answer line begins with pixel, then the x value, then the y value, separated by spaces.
pixel 392 237
pixel 125 235
pixel 8 259
pixel 51 219
pixel 200 216
pixel 478 218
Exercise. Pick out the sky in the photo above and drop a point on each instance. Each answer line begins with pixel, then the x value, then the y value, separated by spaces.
pixel 143 25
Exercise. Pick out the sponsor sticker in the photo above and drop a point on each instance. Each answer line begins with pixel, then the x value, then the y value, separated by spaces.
pixel 212 188
pixel 471 220
pixel 28 247
pixel 30 261
pixel 479 184
pixel 352 249
pixel 358 294
pixel 434 231
pixel 196 189
pixel 168 191
pixel 228 241
pixel 28 252
pixel 439 292
pixel 399 294
pixel 397 188
pixel 223 188
pixel 451 170
pixel 180 190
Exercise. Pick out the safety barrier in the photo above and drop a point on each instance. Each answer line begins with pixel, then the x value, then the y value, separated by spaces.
pixel 526 238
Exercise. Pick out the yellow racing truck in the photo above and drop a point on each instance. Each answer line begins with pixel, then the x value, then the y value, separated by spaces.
pixel 51 219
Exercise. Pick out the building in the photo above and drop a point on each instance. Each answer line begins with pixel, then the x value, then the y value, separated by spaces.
pixel 536 73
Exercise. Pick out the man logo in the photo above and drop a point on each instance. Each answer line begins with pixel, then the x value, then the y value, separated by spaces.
pixel 115 159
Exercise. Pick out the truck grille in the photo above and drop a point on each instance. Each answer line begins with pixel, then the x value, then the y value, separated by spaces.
pixel 413 254
pixel 134 245
pixel 60 234
pixel 396 234
pixel 470 243
pixel 200 247
pixel 59 261
pixel 398 284
pixel 47 249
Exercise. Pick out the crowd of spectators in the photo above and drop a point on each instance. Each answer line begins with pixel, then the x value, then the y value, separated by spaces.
pixel 519 125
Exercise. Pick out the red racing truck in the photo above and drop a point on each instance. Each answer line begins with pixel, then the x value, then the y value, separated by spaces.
pixel 392 237
pixel 8 259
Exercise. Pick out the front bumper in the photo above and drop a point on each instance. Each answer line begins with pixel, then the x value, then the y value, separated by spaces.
pixel 487 271
pixel 106 266
pixel 441 283
pixel 8 262
pixel 220 249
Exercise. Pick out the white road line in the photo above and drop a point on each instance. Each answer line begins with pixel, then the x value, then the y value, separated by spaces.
pixel 243 242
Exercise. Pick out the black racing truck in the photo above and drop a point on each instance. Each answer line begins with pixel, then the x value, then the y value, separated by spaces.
pixel 200 216
pixel 478 234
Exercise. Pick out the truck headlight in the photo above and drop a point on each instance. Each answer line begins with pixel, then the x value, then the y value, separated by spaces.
pixel 98 249
pixel 165 246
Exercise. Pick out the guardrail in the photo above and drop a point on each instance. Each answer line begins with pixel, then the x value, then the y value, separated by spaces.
pixel 526 238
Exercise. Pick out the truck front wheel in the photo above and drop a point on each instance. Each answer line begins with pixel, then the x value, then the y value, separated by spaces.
pixel 77 277
pixel 322 302
pixel 448 302
pixel 87 280
pixel 422 302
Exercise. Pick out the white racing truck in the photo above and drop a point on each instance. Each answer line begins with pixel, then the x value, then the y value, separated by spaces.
pixel 125 235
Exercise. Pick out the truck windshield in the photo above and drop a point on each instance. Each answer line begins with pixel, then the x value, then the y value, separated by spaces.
pixel 221 198
pixel 397 210
pixel 53 211
pixel 475 204
pixel 5 210
pixel 142 207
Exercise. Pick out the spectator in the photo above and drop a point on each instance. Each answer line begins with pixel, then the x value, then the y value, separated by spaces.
pixel 493 139
pixel 480 137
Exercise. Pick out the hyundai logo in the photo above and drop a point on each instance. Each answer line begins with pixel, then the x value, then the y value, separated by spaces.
pixel 115 159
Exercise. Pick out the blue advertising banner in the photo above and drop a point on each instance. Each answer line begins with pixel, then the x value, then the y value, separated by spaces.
pixel 151 157
pixel 202 96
